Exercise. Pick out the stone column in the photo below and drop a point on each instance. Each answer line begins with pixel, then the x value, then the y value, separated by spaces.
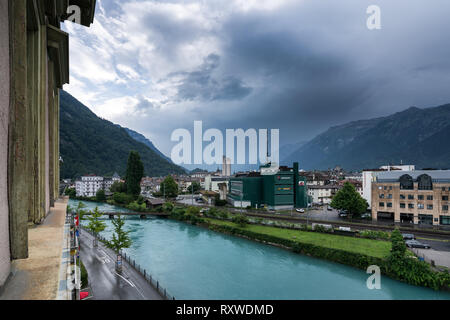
pixel 17 166
pixel 4 121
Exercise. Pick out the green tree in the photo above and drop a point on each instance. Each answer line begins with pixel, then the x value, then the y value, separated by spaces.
pixel 80 210
pixel 135 172
pixel 95 224
pixel 169 187
pixel 71 192
pixel 119 187
pixel 100 195
pixel 120 240
pixel 349 199
pixel 122 198
pixel 241 220
pixel 195 185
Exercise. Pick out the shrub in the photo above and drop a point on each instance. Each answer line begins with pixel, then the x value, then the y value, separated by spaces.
pixel 371 234
pixel 84 275
pixel 122 198
pixel 240 219
pixel 168 207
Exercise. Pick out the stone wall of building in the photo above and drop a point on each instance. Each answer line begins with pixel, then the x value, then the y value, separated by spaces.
pixel 4 116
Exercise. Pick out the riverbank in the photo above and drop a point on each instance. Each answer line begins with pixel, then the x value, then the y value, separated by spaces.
pixel 196 263
pixel 340 249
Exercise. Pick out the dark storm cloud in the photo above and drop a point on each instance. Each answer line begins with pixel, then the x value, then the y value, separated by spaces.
pixel 204 85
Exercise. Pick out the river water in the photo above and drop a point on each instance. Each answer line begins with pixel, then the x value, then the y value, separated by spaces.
pixel 196 263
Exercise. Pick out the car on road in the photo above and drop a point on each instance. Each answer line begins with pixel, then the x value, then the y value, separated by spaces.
pixel 343 213
pixel 416 244
pixel 408 236
pixel 300 210
pixel 329 208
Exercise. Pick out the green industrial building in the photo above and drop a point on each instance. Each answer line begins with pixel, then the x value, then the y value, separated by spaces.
pixel 273 187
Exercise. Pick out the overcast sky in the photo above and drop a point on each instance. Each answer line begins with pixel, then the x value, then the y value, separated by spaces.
pixel 295 65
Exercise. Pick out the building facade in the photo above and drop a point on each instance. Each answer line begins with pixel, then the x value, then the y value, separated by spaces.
pixel 369 176
pixel 34 62
pixel 88 186
pixel 323 194
pixel 418 197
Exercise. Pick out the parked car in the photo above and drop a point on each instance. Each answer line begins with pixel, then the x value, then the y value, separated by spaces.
pixel 408 236
pixel 416 244
pixel 366 215
pixel 343 213
pixel 329 208
pixel 300 210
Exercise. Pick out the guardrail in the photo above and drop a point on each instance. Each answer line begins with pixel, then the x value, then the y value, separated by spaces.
pixel 143 272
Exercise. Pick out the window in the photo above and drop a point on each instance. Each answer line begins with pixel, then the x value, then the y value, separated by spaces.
pixel 445 207
pixel 381 204
pixel 389 196
pixel 410 205
pixel 429 207
pixel 381 196
pixel 443 188
pixel 389 204
pixel 406 182
pixel 410 196
pixel 444 198
pixel 402 205
pixel 425 182
pixel 402 196
pixel 420 206
pixel 420 197
pixel 385 188
pixel 390 187
pixel 445 220
pixel 429 197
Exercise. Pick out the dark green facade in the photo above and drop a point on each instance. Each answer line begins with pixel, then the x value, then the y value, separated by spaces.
pixel 282 189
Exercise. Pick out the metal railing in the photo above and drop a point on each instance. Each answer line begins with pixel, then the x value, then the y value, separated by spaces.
pixel 143 272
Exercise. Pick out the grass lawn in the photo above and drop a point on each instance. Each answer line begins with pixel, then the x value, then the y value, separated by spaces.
pixel 374 248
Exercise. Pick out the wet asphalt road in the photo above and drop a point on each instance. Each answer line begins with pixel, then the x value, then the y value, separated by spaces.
pixel 105 283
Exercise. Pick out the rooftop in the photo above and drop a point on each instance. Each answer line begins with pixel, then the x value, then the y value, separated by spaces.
pixel 436 175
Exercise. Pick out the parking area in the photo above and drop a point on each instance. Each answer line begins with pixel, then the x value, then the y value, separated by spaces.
pixel 440 258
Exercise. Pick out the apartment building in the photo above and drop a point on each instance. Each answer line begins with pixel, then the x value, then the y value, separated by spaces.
pixel 89 185
pixel 323 194
pixel 419 197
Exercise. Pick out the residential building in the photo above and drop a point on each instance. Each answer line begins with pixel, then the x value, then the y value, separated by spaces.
pixel 89 185
pixel 321 194
pixel 419 197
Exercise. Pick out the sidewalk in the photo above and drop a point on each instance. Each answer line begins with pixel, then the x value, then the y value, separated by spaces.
pixel 105 283
pixel 37 278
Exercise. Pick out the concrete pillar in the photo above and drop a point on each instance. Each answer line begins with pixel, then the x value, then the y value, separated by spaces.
pixel 51 129
pixel 41 120
pixel 4 120
pixel 17 166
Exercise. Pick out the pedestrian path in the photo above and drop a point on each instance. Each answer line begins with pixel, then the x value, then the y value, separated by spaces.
pixel 105 282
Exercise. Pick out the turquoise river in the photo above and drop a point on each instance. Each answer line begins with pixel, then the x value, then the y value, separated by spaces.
pixel 195 263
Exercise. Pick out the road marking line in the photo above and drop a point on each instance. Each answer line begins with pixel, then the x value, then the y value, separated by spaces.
pixel 129 282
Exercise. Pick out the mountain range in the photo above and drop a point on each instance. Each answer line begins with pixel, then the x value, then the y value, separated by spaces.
pixel 91 145
pixel 413 136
